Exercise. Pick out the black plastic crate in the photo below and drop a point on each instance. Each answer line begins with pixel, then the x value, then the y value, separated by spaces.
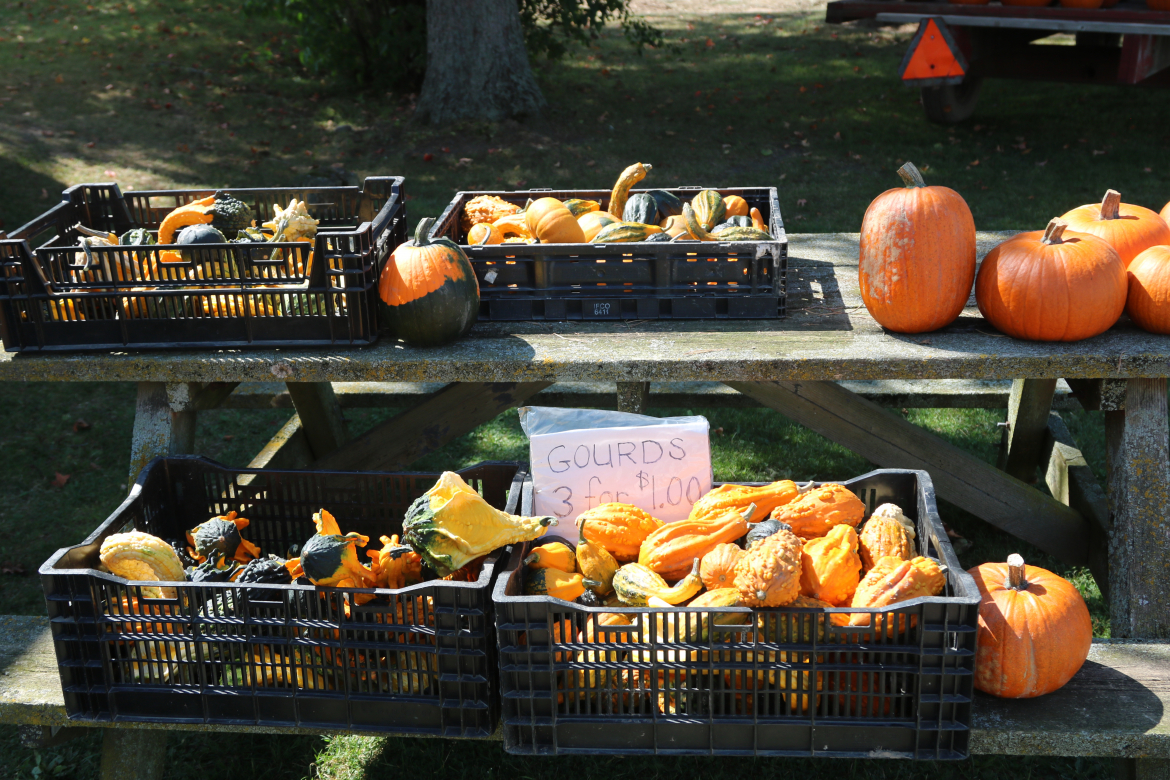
pixel 416 660
pixel 53 296
pixel 786 682
pixel 643 280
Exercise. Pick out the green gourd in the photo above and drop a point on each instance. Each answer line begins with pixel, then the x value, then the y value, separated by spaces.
pixel 641 208
pixel 733 222
pixel 763 530
pixel 669 204
pixel 709 208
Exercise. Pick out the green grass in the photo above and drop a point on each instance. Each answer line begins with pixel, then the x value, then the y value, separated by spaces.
pixel 777 101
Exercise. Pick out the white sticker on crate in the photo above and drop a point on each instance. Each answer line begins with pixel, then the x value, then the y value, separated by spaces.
pixel 662 469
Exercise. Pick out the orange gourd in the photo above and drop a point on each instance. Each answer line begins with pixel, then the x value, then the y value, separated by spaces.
pixel 891 581
pixel 512 226
pixel 758 220
pixel 768 575
pixel 817 511
pixel 1052 285
pixel 619 528
pixel 729 496
pixel 917 255
pixel 676 226
pixel 1148 301
pixel 1034 630
pixel 888 533
pixel 717 568
pixel 592 223
pixel 1127 228
pixel 483 234
pixel 735 206
pixel 552 223
pixel 831 567
pixel 670 550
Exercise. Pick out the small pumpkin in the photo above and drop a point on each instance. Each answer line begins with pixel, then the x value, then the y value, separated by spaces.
pixel 619 528
pixel 428 289
pixel 735 206
pixel 485 208
pixel 768 575
pixel 579 207
pixel 1127 228
pixel 621 188
pixel 669 204
pixel 483 234
pixel 593 222
pixel 709 208
pixel 717 567
pixel 1148 301
pixel 624 232
pixel 831 567
pixel 552 223
pixel 1034 630
pixel 917 255
pixel 1052 285
pixel 595 562
pixel 765 498
pixel 554 555
pixel 817 511
pixel 641 208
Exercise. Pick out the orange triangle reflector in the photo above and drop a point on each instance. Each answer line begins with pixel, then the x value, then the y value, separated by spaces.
pixel 932 55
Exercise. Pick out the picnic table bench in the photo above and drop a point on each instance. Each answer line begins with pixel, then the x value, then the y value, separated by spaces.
pixel 828 366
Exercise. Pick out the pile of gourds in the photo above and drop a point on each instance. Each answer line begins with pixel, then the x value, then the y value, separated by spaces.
pixel 1070 281
pixel 656 215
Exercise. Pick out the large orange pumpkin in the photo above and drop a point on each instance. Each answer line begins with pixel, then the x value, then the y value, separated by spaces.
pixel 1052 285
pixel 917 255
pixel 1148 303
pixel 428 290
pixel 1129 229
pixel 1034 630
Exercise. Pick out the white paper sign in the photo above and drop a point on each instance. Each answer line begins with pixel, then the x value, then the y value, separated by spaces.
pixel 662 469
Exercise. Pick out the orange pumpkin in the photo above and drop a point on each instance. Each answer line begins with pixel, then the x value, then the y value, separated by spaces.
pixel 717 568
pixel 1052 285
pixel 1034 630
pixel 1148 302
pixel 917 255
pixel 1128 228
pixel 552 223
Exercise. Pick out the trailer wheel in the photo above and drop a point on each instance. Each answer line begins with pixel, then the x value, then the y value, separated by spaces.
pixel 950 104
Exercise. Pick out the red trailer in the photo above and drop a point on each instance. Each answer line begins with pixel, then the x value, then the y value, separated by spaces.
pixel 959 45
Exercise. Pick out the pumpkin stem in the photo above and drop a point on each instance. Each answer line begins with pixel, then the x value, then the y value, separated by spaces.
pixel 1016 579
pixel 1111 205
pixel 749 512
pixel 911 176
pixel 1054 233
pixel 423 231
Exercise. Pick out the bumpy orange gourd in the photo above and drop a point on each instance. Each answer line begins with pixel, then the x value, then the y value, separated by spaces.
pixel 485 208
pixel 1034 630
pixel 619 528
pixel 886 534
pixel 1052 285
pixel 728 496
pixel 831 567
pixel 717 569
pixel 552 223
pixel 917 255
pixel 1129 229
pixel 768 575
pixel 891 581
pixel 1148 301
pixel 670 550
pixel 817 511
pixel 396 565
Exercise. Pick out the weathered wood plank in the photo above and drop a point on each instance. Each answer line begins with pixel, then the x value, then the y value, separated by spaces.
pixel 1143 769
pixel 1117 706
pixel 213 394
pixel 1072 482
pixel 959 477
pixel 1099 395
pixel 1029 403
pixel 320 416
pixel 448 414
pixel 1139 486
pixel 633 397
pixel 158 429
pixel 288 449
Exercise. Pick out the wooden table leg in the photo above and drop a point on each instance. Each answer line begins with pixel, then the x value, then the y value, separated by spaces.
pixel 1139 490
pixel 160 429
pixel 633 396
pixel 133 754
pixel 1029 403
pixel 320 414
pixel 1142 769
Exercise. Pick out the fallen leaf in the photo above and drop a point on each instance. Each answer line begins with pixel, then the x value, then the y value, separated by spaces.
pixel 110 174
pixel 718 431
pixel 12 568
pixel 81 425
pixel 801 202
pixel 59 480
pixel 229 437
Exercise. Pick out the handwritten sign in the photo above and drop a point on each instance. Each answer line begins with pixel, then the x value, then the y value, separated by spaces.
pixel 663 469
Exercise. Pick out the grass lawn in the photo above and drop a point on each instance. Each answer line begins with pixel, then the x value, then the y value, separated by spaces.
pixel 191 93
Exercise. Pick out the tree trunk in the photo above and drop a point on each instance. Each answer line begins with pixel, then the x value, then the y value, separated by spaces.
pixel 477 66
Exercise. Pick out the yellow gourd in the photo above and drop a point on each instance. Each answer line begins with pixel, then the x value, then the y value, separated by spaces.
pixel 621 189
pixel 595 562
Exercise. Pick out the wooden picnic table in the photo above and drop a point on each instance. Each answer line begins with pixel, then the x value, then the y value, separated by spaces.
pixel 792 365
